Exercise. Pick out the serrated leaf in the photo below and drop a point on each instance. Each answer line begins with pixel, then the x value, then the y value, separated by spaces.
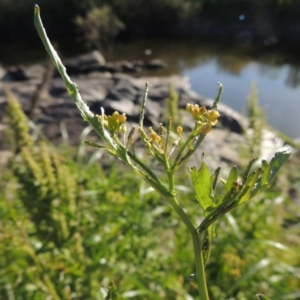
pixel 277 161
pixel 202 183
pixel 269 171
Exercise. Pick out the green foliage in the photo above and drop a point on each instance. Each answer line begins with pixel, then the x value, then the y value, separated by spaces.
pixel 257 122
pixel 123 233
pixel 172 108
pixel 250 252
pixel 262 297
pixel 137 15
pixel 70 229
pixel 17 121
pixel 109 128
pixel 100 26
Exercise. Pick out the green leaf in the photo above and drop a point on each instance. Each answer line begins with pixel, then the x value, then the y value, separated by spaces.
pixel 277 161
pixel 262 297
pixel 232 178
pixel 109 293
pixel 92 144
pixel 112 294
pixel 72 88
pixel 266 171
pixel 218 98
pixel 202 183
pixel 269 171
pixel 249 166
pixel 246 191
pixel 228 185
pixel 215 177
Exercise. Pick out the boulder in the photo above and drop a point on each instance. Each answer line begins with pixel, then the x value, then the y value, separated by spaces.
pixel 22 73
pixel 2 72
pixel 85 63
pixel 155 64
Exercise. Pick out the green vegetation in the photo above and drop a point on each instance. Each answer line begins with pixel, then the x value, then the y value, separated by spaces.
pixel 71 229
pixel 100 26
pixel 74 230
pixel 141 18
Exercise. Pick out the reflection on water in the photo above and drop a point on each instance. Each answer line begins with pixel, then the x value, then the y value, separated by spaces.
pixel 277 77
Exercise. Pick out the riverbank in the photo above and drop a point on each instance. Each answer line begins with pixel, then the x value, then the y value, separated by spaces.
pixel 109 85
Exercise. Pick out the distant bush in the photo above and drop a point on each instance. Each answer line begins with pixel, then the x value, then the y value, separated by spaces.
pixel 141 18
pixel 100 26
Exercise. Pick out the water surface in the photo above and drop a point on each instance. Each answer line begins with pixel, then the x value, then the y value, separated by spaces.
pixel 276 75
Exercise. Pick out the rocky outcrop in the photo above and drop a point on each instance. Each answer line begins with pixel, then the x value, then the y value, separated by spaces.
pixel 122 92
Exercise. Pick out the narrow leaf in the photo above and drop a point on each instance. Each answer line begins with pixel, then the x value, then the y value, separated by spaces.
pixel 218 98
pixel 72 88
pixel 95 145
pixel 215 177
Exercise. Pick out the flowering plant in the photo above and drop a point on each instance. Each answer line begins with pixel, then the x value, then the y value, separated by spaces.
pixel 170 153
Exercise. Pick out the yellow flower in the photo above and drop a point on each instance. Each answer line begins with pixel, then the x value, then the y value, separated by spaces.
pixel 113 123
pixel 213 116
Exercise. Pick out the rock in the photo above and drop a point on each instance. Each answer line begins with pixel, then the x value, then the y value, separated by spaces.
pixel 2 72
pixel 57 88
pixel 128 67
pixel 85 63
pixel 125 106
pixel 155 64
pixel 110 67
pixel 116 91
pixel 21 73
pixel 113 94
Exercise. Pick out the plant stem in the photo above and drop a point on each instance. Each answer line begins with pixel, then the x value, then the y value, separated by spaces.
pixel 197 242
pixel 200 274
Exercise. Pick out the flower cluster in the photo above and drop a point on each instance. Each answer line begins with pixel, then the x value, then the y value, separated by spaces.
pixel 205 119
pixel 114 122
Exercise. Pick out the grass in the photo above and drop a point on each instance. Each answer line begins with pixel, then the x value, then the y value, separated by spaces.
pixel 118 231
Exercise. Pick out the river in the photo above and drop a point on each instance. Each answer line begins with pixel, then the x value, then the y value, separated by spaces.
pixel 276 75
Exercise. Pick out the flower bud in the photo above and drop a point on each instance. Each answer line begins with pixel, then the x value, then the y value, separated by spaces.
pixel 122 118
pixel 115 116
pixel 179 130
